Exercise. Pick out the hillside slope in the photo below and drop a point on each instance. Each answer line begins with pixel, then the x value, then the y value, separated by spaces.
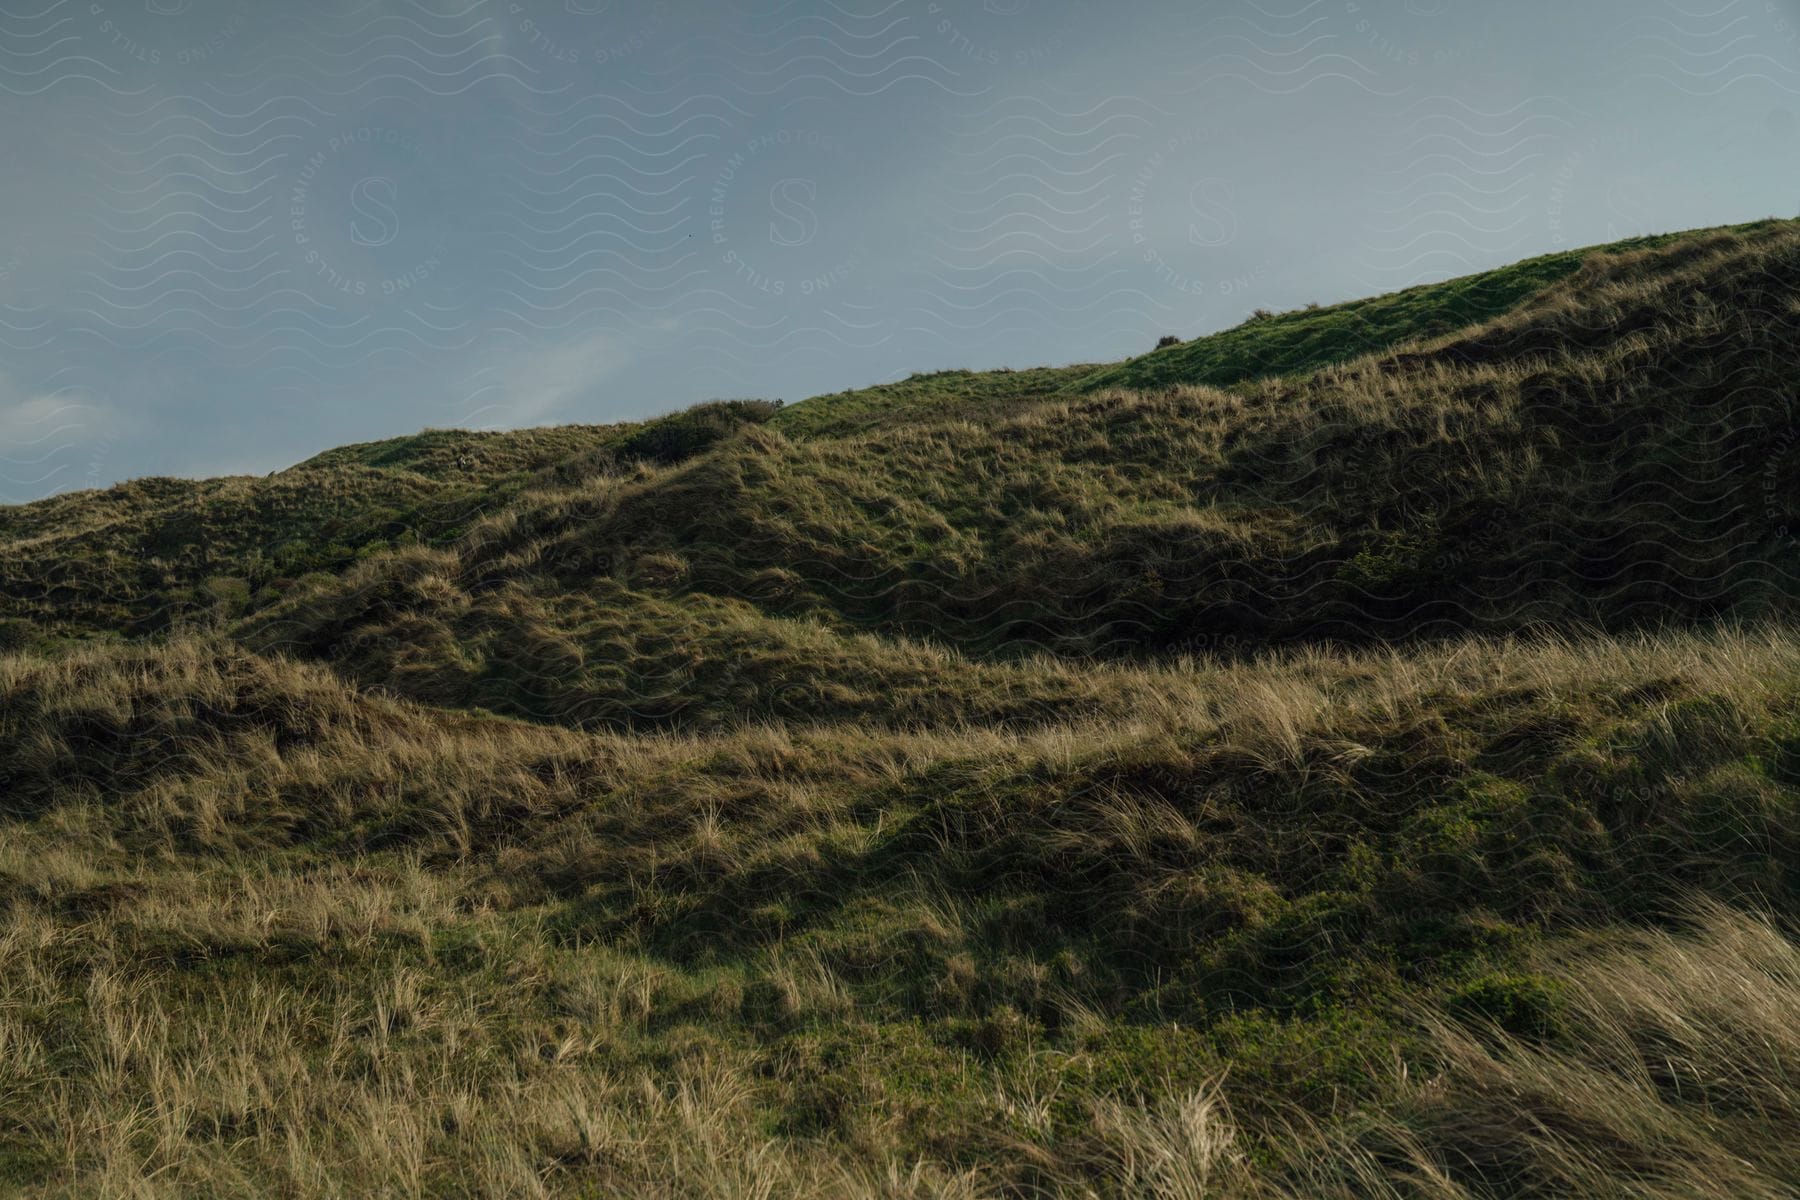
pixel 1268 345
pixel 1301 342
pixel 1616 453
pixel 1361 758
pixel 151 554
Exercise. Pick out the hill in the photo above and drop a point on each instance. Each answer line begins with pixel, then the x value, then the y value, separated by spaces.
pixel 1356 754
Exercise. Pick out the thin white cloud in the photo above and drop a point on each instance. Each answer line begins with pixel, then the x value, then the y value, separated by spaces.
pixel 35 427
pixel 52 442
pixel 534 385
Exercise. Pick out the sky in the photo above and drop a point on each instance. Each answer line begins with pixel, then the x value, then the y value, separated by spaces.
pixel 234 233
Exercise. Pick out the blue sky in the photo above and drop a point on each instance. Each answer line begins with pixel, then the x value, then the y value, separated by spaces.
pixel 235 233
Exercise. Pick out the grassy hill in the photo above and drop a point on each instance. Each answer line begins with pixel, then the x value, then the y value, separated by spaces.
pixel 1297 343
pixel 1357 754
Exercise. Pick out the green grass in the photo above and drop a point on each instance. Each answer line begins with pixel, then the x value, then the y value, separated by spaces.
pixel 1306 340
pixel 1285 344
pixel 957 394
pixel 1378 777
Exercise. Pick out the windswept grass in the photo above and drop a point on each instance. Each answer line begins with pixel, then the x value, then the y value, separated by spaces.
pixel 267 933
pixel 1380 780
pixel 1609 456
pixel 926 395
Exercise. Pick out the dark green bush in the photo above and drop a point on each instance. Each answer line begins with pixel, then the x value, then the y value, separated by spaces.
pixel 1522 1005
pixel 680 436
